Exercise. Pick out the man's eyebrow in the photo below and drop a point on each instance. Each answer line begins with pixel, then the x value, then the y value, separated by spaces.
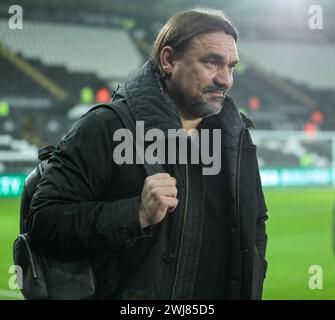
pixel 221 58
pixel 215 56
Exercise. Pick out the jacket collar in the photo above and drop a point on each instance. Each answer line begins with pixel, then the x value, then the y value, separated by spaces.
pixel 148 101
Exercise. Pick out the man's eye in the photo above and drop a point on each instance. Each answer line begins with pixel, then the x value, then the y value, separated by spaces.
pixel 232 68
pixel 213 63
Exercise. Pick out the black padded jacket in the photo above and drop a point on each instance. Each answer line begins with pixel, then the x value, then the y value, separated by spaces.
pixel 86 204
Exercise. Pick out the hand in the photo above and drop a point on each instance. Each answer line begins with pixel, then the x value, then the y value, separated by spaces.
pixel 159 197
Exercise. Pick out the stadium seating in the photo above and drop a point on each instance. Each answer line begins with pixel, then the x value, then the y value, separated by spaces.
pixel 17 155
pixel 287 153
pixel 109 53
pixel 15 83
pixel 74 56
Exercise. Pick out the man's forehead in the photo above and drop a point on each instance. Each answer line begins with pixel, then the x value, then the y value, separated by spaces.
pixel 216 42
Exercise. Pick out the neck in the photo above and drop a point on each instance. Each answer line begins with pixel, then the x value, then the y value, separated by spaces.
pixel 189 124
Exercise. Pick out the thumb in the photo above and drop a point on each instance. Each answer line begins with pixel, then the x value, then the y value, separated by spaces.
pixel 172 204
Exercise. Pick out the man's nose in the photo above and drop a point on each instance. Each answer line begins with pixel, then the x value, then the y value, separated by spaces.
pixel 224 78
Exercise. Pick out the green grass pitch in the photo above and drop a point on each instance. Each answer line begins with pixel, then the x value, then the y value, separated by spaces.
pixel 300 232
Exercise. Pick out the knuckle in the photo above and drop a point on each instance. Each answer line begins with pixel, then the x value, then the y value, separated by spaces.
pixel 150 184
pixel 162 202
pixel 155 194
pixel 147 181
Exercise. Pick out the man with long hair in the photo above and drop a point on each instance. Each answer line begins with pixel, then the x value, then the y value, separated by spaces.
pixel 177 234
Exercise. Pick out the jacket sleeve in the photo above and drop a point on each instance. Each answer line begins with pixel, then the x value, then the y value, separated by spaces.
pixel 66 217
pixel 262 217
pixel 261 236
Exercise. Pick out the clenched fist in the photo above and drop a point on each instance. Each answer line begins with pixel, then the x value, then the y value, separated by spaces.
pixel 159 197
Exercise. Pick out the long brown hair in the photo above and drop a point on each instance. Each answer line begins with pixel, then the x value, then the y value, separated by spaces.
pixel 181 28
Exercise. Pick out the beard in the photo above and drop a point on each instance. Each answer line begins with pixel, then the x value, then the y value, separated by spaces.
pixel 200 106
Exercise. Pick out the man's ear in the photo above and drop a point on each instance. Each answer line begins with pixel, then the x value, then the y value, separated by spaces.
pixel 166 60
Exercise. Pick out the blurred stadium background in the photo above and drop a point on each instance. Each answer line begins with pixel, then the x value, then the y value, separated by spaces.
pixel 72 54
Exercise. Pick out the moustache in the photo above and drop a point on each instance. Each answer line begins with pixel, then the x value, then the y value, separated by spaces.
pixel 215 88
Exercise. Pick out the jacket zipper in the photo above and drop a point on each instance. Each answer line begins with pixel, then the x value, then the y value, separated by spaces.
pixel 182 234
pixel 33 268
pixel 186 206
